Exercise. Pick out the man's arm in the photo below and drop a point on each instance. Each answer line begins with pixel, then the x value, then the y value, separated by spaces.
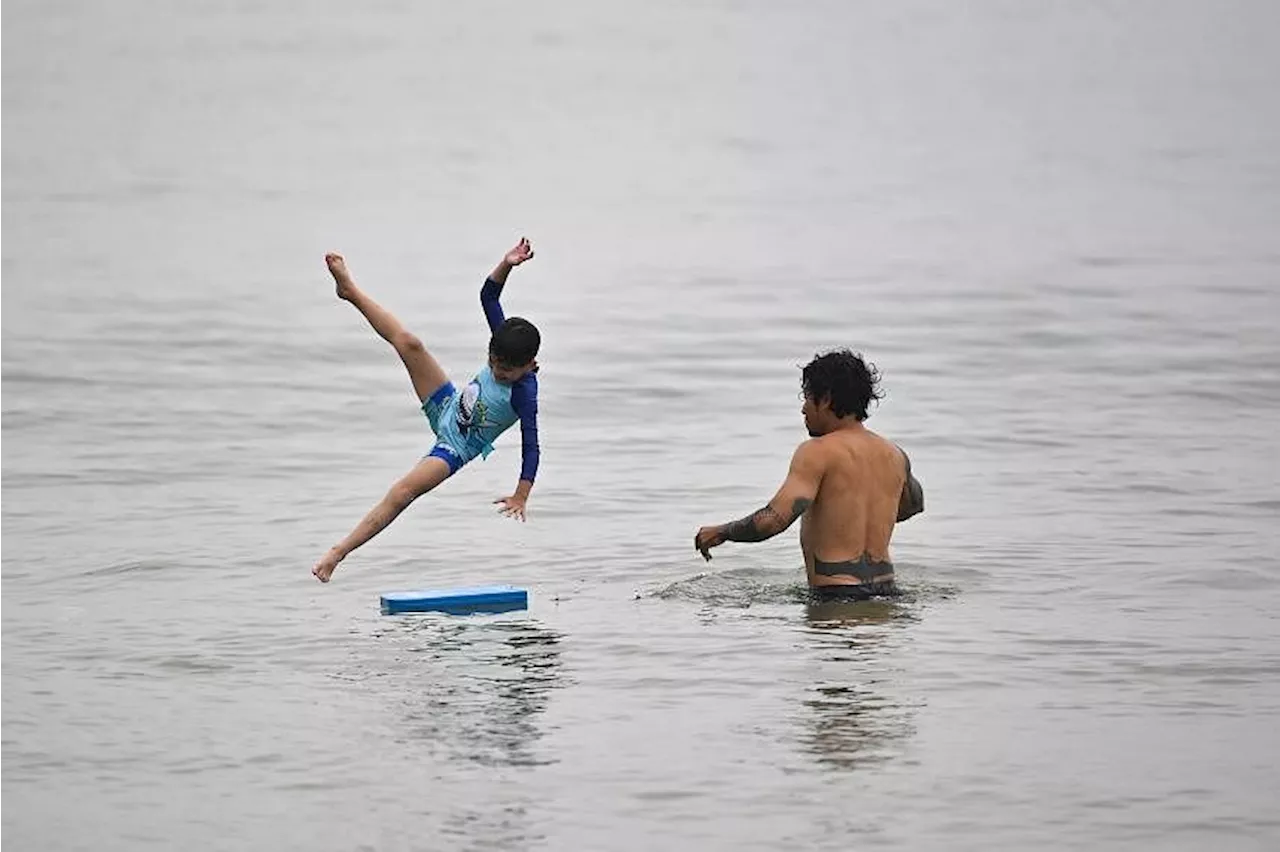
pixel 792 500
pixel 911 500
pixel 492 289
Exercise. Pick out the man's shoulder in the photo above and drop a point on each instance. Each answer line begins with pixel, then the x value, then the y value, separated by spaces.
pixel 881 443
pixel 813 451
pixel 840 446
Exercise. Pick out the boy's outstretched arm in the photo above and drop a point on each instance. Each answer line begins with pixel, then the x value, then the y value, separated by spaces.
pixel 492 288
pixel 524 399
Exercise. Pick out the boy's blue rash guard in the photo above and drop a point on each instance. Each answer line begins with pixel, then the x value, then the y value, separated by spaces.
pixel 524 393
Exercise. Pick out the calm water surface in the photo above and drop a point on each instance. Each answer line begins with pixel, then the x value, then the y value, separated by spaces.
pixel 1054 229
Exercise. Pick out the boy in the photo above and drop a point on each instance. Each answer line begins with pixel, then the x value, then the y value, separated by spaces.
pixel 466 424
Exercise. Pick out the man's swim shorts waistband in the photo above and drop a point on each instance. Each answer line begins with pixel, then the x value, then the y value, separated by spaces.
pixel 854 592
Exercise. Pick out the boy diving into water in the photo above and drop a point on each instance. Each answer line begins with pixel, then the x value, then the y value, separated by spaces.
pixel 466 423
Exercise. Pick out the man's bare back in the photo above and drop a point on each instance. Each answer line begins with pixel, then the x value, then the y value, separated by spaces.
pixel 845 533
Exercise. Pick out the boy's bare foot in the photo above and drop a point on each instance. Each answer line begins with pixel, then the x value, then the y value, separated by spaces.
pixel 338 269
pixel 324 568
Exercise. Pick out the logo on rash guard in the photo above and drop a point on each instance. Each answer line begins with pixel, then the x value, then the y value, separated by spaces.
pixel 472 410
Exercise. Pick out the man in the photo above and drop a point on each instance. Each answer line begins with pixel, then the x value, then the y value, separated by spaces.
pixel 848 484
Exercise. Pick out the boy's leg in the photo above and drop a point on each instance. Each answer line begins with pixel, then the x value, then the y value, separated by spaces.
pixel 424 371
pixel 427 474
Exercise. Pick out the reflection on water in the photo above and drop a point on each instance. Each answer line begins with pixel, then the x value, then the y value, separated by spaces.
pixel 853 715
pixel 852 718
pixel 845 615
pixel 489 826
pixel 473 689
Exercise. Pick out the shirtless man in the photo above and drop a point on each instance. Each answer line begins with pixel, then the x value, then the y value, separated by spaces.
pixel 848 484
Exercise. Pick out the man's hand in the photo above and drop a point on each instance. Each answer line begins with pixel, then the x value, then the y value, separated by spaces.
pixel 518 255
pixel 513 506
pixel 707 538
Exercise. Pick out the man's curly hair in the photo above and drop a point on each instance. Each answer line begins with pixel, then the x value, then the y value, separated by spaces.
pixel 843 378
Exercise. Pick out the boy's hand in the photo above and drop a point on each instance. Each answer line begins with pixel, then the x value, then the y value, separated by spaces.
pixel 518 255
pixel 513 506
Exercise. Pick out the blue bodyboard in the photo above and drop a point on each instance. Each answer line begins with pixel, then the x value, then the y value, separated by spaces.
pixel 457 601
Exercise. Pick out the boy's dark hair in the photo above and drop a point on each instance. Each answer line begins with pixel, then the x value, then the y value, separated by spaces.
pixel 515 343
pixel 843 378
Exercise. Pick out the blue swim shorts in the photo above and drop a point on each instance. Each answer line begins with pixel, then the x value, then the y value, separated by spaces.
pixel 441 409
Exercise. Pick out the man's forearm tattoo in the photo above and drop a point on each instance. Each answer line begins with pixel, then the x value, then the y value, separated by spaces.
pixel 757 526
pixel 763 523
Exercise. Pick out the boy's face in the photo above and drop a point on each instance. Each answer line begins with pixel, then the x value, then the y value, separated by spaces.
pixel 507 374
